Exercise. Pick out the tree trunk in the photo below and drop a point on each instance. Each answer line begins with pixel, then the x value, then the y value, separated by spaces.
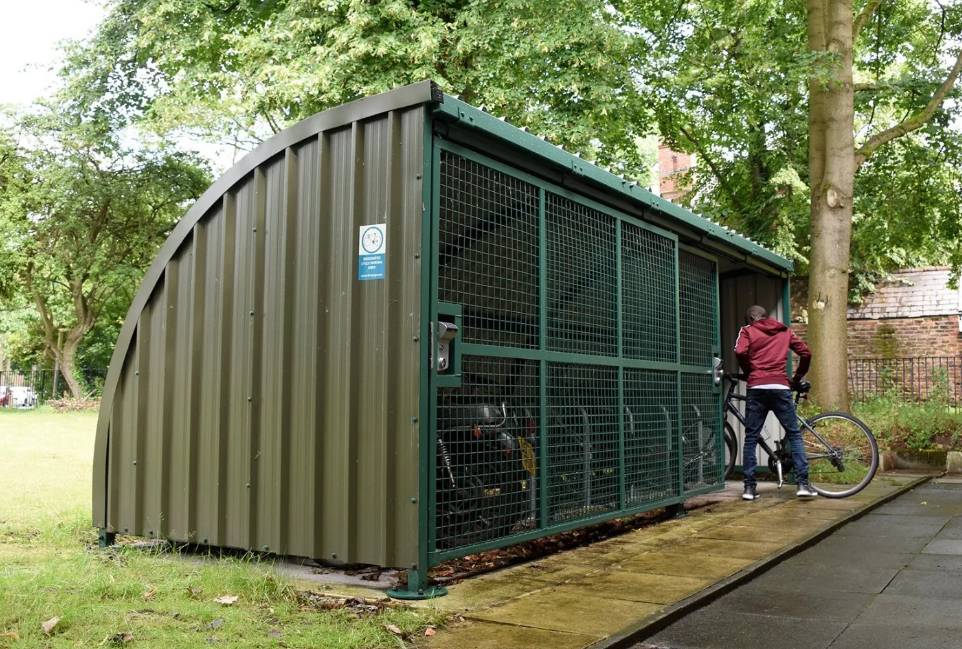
pixel 67 356
pixel 832 179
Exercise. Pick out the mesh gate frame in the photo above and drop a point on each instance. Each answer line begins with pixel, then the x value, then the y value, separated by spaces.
pixel 544 357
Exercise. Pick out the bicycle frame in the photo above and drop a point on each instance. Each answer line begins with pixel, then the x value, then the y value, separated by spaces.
pixel 731 396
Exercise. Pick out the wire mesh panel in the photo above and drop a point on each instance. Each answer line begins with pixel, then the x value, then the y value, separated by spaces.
pixel 487 449
pixel 649 295
pixel 582 439
pixel 651 431
pixel 553 421
pixel 582 284
pixel 701 432
pixel 488 252
pixel 697 302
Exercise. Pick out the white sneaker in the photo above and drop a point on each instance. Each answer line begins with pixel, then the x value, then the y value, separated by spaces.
pixel 805 491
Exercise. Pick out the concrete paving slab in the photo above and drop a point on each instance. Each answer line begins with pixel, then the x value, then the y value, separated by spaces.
pixel 952 529
pixel 874 544
pixel 568 609
pixel 806 604
pixel 937 562
pixel 685 564
pixel 896 636
pixel 925 583
pixel 640 587
pixel 738 549
pixel 718 629
pixel 488 590
pixel 784 534
pixel 833 578
pixel 944 546
pixel 896 524
pixel 836 554
pixel 922 611
pixel 487 635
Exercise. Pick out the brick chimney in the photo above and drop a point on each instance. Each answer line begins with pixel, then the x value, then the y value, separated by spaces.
pixel 671 164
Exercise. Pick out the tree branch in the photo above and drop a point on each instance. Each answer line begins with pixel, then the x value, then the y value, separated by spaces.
pixel 912 123
pixel 863 17
pixel 711 165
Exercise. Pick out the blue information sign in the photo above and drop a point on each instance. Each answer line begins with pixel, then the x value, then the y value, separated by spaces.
pixel 371 251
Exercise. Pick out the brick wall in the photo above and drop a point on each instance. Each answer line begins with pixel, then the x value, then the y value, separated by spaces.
pixel 901 337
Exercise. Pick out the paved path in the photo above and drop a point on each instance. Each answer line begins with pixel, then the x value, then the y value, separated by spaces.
pixel 575 599
pixel 890 580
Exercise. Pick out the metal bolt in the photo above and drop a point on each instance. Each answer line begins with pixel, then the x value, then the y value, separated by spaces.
pixel 334 555
pixel 413 499
pixel 250 398
pixel 134 462
pixel 248 485
pixel 415 339
pixel 254 229
pixel 266 548
pixel 252 313
pixel 414 420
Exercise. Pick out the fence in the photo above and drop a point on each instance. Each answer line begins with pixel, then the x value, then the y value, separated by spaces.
pixel 43 383
pixel 915 379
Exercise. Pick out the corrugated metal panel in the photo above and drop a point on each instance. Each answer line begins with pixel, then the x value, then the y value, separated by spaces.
pixel 264 397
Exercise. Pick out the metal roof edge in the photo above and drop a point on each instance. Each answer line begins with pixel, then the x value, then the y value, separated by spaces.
pixel 408 96
pixel 466 114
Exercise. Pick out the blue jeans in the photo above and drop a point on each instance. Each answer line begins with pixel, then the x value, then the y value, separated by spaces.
pixel 757 406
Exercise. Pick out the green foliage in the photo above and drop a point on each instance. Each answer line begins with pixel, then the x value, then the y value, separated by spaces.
pixel 239 70
pixel 729 82
pixel 918 425
pixel 83 216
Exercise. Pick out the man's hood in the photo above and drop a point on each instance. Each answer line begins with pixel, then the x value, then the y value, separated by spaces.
pixel 769 326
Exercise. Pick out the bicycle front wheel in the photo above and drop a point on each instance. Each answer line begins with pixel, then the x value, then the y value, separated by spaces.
pixel 842 454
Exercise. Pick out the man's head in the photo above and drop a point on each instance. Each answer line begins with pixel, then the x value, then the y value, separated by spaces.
pixel 755 313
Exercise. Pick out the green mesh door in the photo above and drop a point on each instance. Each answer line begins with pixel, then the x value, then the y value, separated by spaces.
pixel 702 447
pixel 569 397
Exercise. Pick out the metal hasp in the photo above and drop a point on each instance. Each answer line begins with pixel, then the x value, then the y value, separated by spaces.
pixel 527 346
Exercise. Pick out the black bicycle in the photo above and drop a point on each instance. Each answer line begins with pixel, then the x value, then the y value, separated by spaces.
pixel 841 450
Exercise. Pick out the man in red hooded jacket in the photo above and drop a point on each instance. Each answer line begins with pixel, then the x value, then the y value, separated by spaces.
pixel 762 350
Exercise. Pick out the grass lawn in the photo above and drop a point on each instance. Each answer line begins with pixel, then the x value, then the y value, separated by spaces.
pixel 50 566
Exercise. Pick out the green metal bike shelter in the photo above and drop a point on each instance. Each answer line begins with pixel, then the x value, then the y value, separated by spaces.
pixel 403 331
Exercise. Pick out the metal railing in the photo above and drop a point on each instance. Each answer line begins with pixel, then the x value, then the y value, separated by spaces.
pixel 915 379
pixel 48 385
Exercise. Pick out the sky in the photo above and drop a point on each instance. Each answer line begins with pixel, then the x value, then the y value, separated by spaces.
pixel 29 54
pixel 28 48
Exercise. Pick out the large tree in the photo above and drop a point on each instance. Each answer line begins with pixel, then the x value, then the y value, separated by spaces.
pixel 83 215
pixel 783 120
pixel 835 156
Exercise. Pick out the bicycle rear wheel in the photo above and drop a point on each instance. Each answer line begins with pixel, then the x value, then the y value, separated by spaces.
pixel 842 454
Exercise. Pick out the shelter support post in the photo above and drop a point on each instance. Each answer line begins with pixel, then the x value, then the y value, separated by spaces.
pixel 105 539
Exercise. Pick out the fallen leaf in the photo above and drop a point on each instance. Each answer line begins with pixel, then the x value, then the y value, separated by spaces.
pixel 194 592
pixel 50 625
pixel 430 631
pixel 393 628
pixel 227 600
pixel 120 638
pixel 149 593
pixel 12 635
pixel 216 623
